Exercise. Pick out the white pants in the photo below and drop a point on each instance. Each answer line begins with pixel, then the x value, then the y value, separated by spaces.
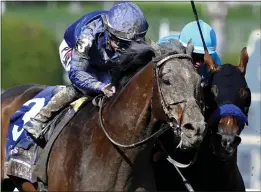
pixel 65 53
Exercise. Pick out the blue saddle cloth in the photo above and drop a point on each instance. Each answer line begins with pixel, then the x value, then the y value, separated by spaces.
pixel 17 136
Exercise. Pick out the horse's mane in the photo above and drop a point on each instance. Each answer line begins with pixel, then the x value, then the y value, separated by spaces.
pixel 130 62
pixel 137 56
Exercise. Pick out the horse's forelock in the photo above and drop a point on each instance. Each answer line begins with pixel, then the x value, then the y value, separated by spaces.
pixel 178 70
pixel 178 64
pixel 170 48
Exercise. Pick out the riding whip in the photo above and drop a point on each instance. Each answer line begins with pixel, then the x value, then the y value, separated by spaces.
pixel 199 28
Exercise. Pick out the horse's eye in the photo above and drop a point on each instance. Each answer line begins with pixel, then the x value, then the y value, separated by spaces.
pixel 243 93
pixel 246 109
pixel 165 79
pixel 214 90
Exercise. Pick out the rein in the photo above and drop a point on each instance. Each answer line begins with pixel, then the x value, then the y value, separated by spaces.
pixel 156 134
pixel 164 105
pixel 172 125
pixel 163 102
pixel 165 109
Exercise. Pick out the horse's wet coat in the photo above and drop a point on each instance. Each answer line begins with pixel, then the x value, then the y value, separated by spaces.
pixel 82 154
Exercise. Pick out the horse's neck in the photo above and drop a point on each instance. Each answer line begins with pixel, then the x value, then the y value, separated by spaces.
pixel 232 161
pixel 128 120
pixel 127 115
pixel 224 175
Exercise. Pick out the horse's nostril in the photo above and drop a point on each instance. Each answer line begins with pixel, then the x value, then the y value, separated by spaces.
pixel 224 143
pixel 189 127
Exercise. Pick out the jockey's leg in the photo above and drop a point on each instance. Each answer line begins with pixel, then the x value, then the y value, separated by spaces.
pixel 63 97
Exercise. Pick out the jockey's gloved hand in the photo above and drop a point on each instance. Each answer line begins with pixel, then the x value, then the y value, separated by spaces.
pixel 108 90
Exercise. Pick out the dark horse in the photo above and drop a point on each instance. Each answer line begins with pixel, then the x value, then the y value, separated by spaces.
pixel 227 100
pixel 83 158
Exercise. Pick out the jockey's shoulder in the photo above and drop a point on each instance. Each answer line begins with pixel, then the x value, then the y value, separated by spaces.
pixel 94 27
pixel 90 24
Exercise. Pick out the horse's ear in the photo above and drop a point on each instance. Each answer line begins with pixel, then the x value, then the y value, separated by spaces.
pixel 190 47
pixel 155 47
pixel 212 66
pixel 243 61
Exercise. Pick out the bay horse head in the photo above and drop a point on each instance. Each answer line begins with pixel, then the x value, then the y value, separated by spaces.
pixel 228 99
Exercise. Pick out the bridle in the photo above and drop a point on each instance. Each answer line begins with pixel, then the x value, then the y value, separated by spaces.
pixel 164 104
pixel 133 145
pixel 172 121
pixel 213 126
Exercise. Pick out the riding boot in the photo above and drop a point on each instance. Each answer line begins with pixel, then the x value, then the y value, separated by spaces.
pixel 61 99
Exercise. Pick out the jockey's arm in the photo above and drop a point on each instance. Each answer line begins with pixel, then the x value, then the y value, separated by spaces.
pixel 78 73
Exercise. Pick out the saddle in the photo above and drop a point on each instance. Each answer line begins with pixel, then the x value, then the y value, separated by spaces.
pixel 55 127
pixel 39 155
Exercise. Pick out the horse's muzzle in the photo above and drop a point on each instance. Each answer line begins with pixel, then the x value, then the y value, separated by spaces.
pixel 225 145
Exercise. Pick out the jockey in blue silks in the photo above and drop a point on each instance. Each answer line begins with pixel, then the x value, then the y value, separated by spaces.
pixel 191 31
pixel 89 43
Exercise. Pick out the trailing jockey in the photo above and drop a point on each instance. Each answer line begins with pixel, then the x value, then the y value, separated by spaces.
pixel 89 43
pixel 191 31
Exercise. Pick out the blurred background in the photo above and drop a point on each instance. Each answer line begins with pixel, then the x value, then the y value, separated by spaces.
pixel 32 32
